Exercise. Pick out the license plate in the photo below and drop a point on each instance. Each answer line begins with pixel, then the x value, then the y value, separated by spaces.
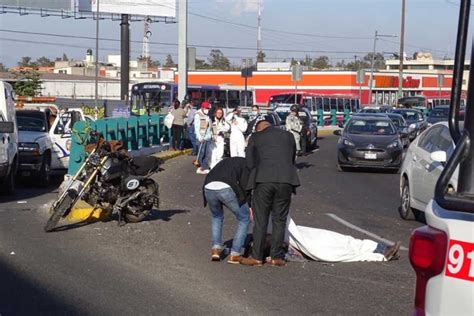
pixel 370 156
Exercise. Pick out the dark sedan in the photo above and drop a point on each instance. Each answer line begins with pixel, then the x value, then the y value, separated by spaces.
pixel 438 114
pixel 369 142
pixel 415 119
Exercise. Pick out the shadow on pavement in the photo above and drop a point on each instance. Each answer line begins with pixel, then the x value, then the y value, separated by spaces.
pixel 20 296
pixel 164 215
pixel 303 165
pixel 25 189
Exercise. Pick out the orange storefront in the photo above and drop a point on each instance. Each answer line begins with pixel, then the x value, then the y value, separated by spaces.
pixel 385 87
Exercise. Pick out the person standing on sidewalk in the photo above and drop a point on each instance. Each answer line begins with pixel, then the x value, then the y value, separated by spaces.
pixel 178 125
pixel 271 159
pixel 225 185
pixel 219 128
pixel 202 129
pixel 294 126
pixel 238 126
pixel 190 114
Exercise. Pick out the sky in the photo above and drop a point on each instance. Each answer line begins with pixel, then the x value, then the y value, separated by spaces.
pixel 339 29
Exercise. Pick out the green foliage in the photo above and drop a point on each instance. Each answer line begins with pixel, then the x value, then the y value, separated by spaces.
pixel 217 60
pixel 201 64
pixel 44 62
pixel 28 83
pixel 169 62
pixel 322 62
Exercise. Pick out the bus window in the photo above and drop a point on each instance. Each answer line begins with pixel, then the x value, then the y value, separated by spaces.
pixel 340 105
pixel 357 104
pixel 308 102
pixel 319 103
pixel 353 107
pixel 326 105
pixel 333 102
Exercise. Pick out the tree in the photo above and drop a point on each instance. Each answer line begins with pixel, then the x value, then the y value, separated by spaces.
pixel 322 62
pixel 3 68
pixel 44 62
pixel 357 65
pixel 201 64
pixel 28 83
pixel 64 58
pixel 261 57
pixel 155 63
pixel 217 60
pixel 341 64
pixel 26 62
pixel 379 61
pixel 169 62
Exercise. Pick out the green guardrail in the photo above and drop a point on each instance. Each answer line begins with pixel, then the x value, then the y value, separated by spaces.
pixel 135 132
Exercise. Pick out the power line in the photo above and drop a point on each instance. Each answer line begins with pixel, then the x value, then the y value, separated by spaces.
pixel 174 44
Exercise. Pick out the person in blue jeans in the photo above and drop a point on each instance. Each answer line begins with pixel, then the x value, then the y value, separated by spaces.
pixel 190 114
pixel 225 186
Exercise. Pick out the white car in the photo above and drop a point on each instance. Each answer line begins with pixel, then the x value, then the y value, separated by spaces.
pixel 423 163
pixel 8 139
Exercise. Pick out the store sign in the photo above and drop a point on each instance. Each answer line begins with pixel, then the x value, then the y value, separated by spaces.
pixel 392 82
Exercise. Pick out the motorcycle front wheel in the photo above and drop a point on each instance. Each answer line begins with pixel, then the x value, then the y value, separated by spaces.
pixel 151 187
pixel 59 212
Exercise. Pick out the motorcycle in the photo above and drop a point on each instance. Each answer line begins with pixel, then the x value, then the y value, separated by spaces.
pixel 110 180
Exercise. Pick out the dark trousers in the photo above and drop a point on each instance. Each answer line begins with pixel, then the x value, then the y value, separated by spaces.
pixel 274 199
pixel 177 131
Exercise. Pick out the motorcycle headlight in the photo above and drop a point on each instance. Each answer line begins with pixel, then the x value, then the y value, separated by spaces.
pixel 394 144
pixel 348 143
pixel 29 147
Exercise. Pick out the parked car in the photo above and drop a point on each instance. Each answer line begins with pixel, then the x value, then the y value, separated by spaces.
pixel 371 141
pixel 416 121
pixel 309 137
pixel 438 114
pixel 401 126
pixel 9 139
pixel 422 165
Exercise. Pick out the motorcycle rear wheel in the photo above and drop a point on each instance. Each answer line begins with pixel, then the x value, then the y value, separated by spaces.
pixel 151 188
pixel 58 212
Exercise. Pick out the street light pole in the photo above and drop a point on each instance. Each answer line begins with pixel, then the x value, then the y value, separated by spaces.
pixel 96 110
pixel 372 61
pixel 402 52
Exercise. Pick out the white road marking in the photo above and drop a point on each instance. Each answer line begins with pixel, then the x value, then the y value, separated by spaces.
pixel 366 232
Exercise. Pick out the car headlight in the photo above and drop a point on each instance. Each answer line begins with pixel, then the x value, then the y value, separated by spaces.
pixel 394 144
pixel 412 126
pixel 348 143
pixel 29 147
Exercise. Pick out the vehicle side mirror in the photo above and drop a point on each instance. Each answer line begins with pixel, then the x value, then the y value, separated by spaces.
pixel 337 132
pixel 439 156
pixel 7 127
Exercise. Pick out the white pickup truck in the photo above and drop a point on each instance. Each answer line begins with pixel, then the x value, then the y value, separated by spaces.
pixel 8 140
pixel 45 139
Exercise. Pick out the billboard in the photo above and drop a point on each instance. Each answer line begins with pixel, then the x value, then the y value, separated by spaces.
pixel 161 8
pixel 67 5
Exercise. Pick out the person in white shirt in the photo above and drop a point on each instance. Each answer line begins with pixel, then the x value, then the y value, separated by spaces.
pixel 238 126
pixel 219 128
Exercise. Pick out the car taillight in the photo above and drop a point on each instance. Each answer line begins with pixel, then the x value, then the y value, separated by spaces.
pixel 427 254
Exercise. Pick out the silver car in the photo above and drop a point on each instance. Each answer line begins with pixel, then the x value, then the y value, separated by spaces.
pixel 423 163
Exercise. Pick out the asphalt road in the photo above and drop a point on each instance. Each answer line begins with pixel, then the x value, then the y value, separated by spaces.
pixel 162 265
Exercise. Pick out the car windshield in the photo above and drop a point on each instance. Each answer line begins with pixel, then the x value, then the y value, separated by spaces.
pixel 439 112
pixel 31 122
pixel 366 110
pixel 409 115
pixel 370 127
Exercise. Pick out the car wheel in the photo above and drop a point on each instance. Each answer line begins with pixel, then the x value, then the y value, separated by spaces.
pixel 405 210
pixel 45 171
pixel 7 187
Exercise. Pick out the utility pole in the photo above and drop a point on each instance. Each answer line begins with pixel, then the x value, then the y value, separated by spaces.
pixel 402 52
pixel 96 110
pixel 259 28
pixel 182 49
pixel 124 57
pixel 372 63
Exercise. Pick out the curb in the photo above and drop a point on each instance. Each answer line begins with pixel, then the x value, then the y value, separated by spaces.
pixel 326 132
pixel 83 211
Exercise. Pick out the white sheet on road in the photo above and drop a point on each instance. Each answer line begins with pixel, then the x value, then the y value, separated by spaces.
pixel 329 246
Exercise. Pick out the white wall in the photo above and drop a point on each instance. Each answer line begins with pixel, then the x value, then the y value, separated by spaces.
pixel 81 89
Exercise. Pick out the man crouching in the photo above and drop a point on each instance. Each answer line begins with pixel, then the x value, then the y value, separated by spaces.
pixel 225 185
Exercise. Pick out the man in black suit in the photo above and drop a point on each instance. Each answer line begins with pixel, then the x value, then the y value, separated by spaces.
pixel 270 157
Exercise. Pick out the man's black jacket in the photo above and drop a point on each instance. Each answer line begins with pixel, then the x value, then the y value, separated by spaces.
pixel 270 157
pixel 233 172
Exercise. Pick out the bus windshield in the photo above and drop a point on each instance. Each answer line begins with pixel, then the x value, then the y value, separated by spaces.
pixel 285 99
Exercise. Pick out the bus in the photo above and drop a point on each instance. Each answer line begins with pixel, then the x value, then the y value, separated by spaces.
pixel 423 102
pixel 151 97
pixel 316 102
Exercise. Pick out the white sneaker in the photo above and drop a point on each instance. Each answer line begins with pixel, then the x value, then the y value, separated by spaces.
pixel 201 171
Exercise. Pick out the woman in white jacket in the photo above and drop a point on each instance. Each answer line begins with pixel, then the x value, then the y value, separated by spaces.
pixel 219 127
pixel 238 125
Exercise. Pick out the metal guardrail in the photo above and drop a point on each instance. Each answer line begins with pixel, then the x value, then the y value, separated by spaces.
pixel 136 132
